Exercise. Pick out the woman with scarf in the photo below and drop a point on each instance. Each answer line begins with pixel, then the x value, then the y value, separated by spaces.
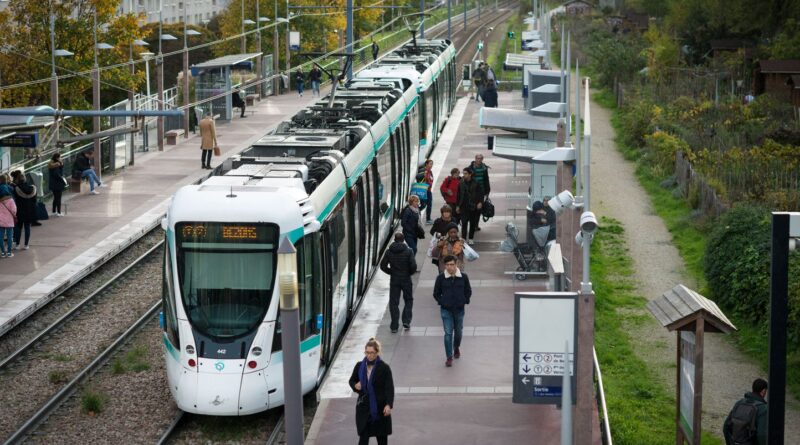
pixel 372 380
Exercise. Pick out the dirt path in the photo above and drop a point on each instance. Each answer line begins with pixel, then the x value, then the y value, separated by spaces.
pixel 616 193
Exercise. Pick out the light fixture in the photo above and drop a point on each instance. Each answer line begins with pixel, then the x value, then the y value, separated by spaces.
pixel 62 53
pixel 146 55
pixel 263 19
pixel 140 42
pixel 248 22
pixel 191 32
pixel 562 154
pixel 104 46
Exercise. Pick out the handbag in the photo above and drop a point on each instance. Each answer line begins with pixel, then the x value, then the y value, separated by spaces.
pixel 217 151
pixel 470 254
pixel 420 232
pixel 66 184
pixel 41 212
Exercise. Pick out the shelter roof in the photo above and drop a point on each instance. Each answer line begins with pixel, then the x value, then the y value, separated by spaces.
pixel 228 60
pixel 13 122
pixel 680 307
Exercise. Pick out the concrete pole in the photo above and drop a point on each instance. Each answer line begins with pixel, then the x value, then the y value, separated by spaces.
pixel 130 102
pixel 98 153
pixel 566 400
pixel 288 54
pixel 290 343
pixel 577 146
pixel 276 67
pixel 350 35
pixel 244 37
pixel 778 310
pixel 465 16
pixel 566 88
pixel 259 74
pixel 449 18
pixel 185 77
pixel 54 76
pixel 422 19
pixel 160 81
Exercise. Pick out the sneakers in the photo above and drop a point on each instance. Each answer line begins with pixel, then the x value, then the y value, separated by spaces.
pixel 8 255
pixel 94 192
pixel 471 241
pixel 26 247
pixel 407 327
pixel 457 353
pixel 449 362
pixel 429 222
pixel 394 331
pixel 16 246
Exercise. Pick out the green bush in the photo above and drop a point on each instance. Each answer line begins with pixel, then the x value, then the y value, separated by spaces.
pixel 661 148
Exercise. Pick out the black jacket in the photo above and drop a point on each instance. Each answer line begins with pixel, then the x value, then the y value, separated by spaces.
pixel 761 419
pixel 56 178
pixel 409 221
pixel 315 75
pixel 399 262
pixel 452 292
pixel 80 164
pixel 384 394
pixel 440 225
pixel 470 194
pixel 25 199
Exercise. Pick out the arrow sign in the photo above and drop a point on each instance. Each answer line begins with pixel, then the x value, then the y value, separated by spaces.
pixel 526 369
pixel 526 357
pixel 525 380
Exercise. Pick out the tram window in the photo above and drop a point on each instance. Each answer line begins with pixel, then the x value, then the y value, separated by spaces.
pixel 338 245
pixel 310 290
pixel 168 304
pixel 384 177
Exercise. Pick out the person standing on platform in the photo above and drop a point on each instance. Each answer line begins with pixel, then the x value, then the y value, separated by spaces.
pixel 470 202
pixel 449 245
pixel 481 175
pixel 8 217
pixel 443 222
pixel 82 168
pixel 299 80
pixel 478 79
pixel 428 179
pixel 25 199
pixel 449 189
pixel 315 76
pixel 399 264
pixel 409 221
pixel 490 88
pixel 375 51
pixel 452 291
pixel 746 424
pixel 372 380
pixel 208 140
pixel 56 182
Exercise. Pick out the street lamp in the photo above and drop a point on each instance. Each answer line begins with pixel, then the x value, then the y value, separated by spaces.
pixel 186 34
pixel 55 53
pixel 96 96
pixel 259 68
pixel 290 342
pixel 146 56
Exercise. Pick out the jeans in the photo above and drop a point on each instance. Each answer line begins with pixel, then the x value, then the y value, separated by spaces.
pixel 18 232
pixel 315 87
pixel 92 176
pixel 205 158
pixel 57 201
pixel 411 242
pixel 395 287
pixel 469 222
pixel 300 88
pixel 6 239
pixel 452 319
pixel 428 205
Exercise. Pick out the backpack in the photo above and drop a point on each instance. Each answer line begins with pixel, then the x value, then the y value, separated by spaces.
pixel 487 210
pixel 742 419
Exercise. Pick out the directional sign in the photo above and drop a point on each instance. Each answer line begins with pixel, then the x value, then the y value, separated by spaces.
pixel 543 321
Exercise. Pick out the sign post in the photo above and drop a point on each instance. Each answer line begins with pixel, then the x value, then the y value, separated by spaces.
pixel 543 322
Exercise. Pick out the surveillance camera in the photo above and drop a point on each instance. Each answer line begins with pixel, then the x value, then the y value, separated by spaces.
pixel 561 201
pixel 579 239
pixel 588 222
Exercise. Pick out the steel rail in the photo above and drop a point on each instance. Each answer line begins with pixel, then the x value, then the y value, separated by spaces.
pixel 30 425
pixel 72 312
pixel 171 429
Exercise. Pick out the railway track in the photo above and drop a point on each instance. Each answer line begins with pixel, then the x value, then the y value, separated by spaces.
pixel 46 369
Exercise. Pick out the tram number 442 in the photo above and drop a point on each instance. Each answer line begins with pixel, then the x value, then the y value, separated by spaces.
pixel 222 351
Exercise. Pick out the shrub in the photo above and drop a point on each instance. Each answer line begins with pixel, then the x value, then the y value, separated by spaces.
pixel 57 377
pixel 92 402
pixel 661 148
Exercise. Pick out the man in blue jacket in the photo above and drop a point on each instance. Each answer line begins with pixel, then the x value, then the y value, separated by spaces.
pixel 452 291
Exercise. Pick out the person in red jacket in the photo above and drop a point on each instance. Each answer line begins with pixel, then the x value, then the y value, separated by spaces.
pixel 449 190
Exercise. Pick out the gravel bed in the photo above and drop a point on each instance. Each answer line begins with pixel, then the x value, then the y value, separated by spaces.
pixel 137 406
pixel 44 317
pixel 31 381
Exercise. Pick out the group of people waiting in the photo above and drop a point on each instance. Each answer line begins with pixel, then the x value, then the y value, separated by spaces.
pixel 19 206
pixel 485 83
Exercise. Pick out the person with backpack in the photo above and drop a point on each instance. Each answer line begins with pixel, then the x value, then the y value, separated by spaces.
pixel 747 422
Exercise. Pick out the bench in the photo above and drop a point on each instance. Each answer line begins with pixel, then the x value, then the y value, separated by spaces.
pixel 250 99
pixel 78 185
pixel 173 135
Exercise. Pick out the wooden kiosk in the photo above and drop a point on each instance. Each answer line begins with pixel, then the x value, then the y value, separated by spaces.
pixel 691 315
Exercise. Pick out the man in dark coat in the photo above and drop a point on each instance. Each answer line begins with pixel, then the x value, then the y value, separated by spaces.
pixel 82 168
pixel 372 380
pixel 25 199
pixel 480 173
pixel 747 421
pixel 452 291
pixel 470 203
pixel 400 264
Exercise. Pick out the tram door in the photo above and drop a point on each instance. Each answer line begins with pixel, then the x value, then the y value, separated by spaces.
pixel 322 243
pixel 357 223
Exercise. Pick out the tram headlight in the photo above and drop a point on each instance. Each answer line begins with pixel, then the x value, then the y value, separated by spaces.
pixel 256 351
pixel 190 349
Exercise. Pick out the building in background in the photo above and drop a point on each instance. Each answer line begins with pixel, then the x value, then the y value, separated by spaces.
pixel 199 12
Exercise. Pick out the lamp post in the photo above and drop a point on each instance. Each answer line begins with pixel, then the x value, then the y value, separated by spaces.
pixel 422 19
pixel 186 34
pixel 290 342
pixel 449 14
pixel 275 60
pixel 244 37
pixel 146 56
pixel 54 77
pixel 160 67
pixel 260 74
pixel 98 153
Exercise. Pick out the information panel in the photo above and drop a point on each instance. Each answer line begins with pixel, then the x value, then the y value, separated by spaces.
pixel 544 323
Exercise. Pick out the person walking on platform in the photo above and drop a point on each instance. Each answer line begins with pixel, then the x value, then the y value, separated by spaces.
pixel 481 175
pixel 449 245
pixel 470 202
pixel 409 221
pixel 8 217
pixel 208 140
pixel 490 88
pixel 449 189
pixel 299 80
pixel 452 291
pixel 83 168
pixel 56 182
pixel 428 179
pixel 375 51
pixel 372 380
pixel 25 199
pixel 478 79
pixel 315 76
pixel 399 264
pixel 443 222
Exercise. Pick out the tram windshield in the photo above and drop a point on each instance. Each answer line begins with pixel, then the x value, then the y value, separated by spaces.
pixel 226 273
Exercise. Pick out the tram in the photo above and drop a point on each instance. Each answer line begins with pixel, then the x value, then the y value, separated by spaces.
pixel 332 180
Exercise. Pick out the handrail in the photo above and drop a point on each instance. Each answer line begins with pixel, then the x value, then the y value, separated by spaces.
pixel 605 427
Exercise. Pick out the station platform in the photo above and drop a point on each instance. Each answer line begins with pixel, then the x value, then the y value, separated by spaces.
pixel 131 202
pixel 469 403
